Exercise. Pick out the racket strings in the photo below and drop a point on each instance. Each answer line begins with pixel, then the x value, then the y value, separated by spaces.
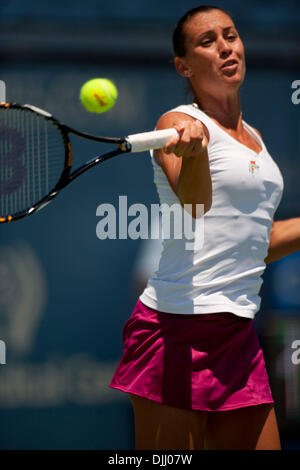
pixel 32 158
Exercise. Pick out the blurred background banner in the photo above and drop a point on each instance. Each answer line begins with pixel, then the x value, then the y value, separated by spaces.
pixel 64 294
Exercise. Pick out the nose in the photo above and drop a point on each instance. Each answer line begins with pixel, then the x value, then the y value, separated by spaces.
pixel 224 47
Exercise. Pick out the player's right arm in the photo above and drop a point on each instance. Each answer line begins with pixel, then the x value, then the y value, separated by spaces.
pixel 185 160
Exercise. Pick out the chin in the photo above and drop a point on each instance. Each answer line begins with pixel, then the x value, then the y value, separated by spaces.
pixel 235 79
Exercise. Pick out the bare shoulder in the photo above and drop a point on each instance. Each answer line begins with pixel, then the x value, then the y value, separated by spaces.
pixel 172 118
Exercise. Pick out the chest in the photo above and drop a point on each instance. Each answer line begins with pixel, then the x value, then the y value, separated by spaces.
pixel 246 140
pixel 243 178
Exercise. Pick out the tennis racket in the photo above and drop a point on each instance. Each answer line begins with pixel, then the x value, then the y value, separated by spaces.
pixel 36 157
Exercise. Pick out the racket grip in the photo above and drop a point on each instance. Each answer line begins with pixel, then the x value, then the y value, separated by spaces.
pixel 150 140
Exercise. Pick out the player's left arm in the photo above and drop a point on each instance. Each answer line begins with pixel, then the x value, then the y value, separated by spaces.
pixel 284 239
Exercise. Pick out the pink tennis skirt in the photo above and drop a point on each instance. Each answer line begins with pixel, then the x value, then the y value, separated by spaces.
pixel 211 362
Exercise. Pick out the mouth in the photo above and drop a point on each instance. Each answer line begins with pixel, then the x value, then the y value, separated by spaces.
pixel 229 64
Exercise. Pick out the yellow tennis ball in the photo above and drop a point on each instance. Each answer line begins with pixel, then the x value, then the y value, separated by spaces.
pixel 98 95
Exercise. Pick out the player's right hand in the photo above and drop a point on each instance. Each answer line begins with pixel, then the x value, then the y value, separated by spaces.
pixel 191 141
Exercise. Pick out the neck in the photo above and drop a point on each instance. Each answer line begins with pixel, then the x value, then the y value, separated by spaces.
pixel 226 110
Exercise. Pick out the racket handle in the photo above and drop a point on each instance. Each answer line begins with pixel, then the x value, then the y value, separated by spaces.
pixel 150 140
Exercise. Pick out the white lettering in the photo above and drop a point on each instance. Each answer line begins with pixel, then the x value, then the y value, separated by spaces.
pixel 296 94
pixel 296 354
pixel 140 221
pixel 176 222
pixel 122 217
pixel 2 352
pixel 109 221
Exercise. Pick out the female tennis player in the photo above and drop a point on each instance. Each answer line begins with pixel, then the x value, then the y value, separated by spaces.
pixel 192 362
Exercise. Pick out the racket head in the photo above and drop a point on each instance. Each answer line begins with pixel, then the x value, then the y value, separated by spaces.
pixel 35 159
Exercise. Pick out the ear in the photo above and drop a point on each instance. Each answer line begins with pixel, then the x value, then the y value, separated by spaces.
pixel 182 68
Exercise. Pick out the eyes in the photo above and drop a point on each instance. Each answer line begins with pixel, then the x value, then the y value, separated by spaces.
pixel 208 41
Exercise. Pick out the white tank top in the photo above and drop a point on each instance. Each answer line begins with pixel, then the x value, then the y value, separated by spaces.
pixel 222 273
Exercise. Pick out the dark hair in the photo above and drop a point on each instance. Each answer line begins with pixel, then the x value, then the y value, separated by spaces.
pixel 179 34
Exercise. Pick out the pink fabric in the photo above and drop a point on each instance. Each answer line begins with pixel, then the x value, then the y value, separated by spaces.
pixel 208 362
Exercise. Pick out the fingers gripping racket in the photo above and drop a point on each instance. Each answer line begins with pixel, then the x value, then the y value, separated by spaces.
pixel 36 157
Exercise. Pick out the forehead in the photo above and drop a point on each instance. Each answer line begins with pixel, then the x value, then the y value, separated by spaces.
pixel 208 21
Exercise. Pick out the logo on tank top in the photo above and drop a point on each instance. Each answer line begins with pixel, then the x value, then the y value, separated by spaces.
pixel 253 166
